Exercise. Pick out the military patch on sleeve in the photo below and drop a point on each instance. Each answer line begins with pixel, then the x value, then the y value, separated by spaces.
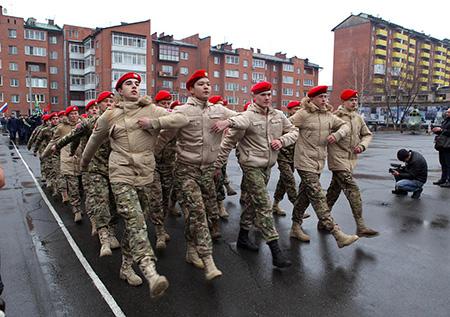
pixel 78 126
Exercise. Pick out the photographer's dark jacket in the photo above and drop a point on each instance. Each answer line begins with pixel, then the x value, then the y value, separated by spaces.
pixel 416 168
pixel 445 126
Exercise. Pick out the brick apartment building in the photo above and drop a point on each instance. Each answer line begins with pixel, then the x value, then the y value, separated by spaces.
pixel 384 60
pixel 72 64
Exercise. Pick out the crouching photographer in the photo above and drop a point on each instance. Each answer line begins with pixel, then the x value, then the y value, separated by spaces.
pixel 409 177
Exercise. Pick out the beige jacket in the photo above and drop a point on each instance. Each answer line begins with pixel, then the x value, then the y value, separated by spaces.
pixel 340 155
pixel 131 160
pixel 191 124
pixel 315 126
pixel 260 129
pixel 70 165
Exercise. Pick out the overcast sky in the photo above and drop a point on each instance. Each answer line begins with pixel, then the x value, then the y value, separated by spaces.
pixel 300 28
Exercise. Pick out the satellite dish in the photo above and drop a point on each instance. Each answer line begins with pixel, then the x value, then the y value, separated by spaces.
pixel 5 11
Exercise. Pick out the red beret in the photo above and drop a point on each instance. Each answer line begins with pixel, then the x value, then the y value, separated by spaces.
pixel 90 104
pixel 201 73
pixel 45 117
pixel 318 90
pixel 246 105
pixel 163 95
pixel 261 87
pixel 175 103
pixel 84 115
pixel 62 113
pixel 103 95
pixel 127 76
pixel 215 99
pixel 225 102
pixel 70 109
pixel 347 94
pixel 53 114
pixel 293 104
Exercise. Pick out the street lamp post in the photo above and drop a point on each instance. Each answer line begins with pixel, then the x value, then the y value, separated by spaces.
pixel 30 92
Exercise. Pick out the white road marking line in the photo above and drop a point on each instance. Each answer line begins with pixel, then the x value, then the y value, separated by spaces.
pixel 117 311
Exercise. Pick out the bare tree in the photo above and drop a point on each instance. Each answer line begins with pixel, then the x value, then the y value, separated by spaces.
pixel 360 79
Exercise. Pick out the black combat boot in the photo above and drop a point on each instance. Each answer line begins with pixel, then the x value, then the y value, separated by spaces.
pixel 278 258
pixel 244 241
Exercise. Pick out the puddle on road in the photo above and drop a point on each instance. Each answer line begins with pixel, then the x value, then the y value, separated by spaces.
pixel 30 222
pixel 371 176
pixel 27 184
pixel 30 194
pixel 440 222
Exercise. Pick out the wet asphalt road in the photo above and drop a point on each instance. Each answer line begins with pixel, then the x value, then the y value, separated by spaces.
pixel 403 272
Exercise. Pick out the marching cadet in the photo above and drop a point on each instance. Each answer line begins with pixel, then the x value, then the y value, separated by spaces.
pixel 70 165
pixel 40 136
pixel 35 133
pixel 131 170
pixel 261 132
pixel 342 157
pixel 286 182
pixel 318 127
pixel 197 148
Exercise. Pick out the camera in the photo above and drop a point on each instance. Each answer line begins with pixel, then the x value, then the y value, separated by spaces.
pixel 395 167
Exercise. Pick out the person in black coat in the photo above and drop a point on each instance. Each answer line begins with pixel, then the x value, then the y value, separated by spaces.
pixel 13 125
pixel 444 153
pixel 412 176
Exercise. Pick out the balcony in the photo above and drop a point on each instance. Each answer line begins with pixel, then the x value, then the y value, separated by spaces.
pixel 447 83
pixel 400 36
pixel 399 55
pixel 424 54
pixel 423 88
pixel 442 58
pixel 378 80
pixel 412 51
pixel 380 42
pixel 379 61
pixel 394 82
pixel 423 79
pixel 397 64
pixel 399 45
pixel 167 74
pixel 438 73
pixel 380 52
pixel 381 32
pixel 438 81
pixel 412 41
pixel 424 63
pixel 447 68
pixel 439 65
pixel 447 76
pixel 424 71
pixel 425 46
pixel 379 90
pixel 411 59
pixel 440 49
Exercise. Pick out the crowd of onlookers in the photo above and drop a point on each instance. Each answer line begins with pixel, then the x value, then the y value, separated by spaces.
pixel 19 126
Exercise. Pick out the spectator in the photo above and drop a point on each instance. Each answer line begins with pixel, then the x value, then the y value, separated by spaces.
pixel 412 176
pixel 13 127
pixel 442 145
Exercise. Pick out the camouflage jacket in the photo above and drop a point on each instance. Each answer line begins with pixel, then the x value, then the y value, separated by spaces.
pixel 168 154
pixel 43 139
pixel 79 137
pixel 34 135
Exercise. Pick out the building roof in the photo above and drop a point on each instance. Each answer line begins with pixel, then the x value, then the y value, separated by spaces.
pixel 33 24
pixel 175 42
pixel 364 18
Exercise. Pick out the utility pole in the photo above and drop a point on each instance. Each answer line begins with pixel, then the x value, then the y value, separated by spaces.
pixel 30 91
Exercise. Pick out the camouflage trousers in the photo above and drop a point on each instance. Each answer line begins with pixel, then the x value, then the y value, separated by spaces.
pixel 286 183
pixel 220 183
pixel 257 207
pixel 46 167
pixel 73 189
pixel 99 202
pixel 166 171
pixel 199 198
pixel 135 242
pixel 310 191
pixel 344 181
pixel 151 199
pixel 59 179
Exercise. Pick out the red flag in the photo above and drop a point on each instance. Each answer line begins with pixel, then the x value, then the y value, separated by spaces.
pixel 47 108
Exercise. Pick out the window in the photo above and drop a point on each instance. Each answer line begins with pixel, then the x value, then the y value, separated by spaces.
pixel 89 61
pixel 76 80
pixel 13 66
pixel 1 80
pixel 274 92
pixel 297 82
pixel 53 55
pixel 231 87
pixel 184 55
pixel 229 59
pixel 14 82
pixel 379 69
pixel 216 60
pixel 12 33
pixel 216 74
pixel 117 74
pixel 297 94
pixel 395 71
pixel 15 98
pixel 166 70
pixel 12 50
pixel 54 85
pixel 275 80
pixel 257 77
pixel 127 58
pixel 35 51
pixel 184 70
pixel 35 35
pixel 284 103
pixel 231 73
pixel 53 39
pixel 288 67
pixel 308 71
pixel 308 82
pixel 167 84
pixel 37 82
pixel 274 68
pixel 259 63
pixel 245 76
pixel 288 91
pixel 233 100
pixel 182 85
pixel 36 97
pixel 245 63
pixel 90 79
pixel 54 100
pixel 90 94
pixel 53 70
pixel 169 53
pixel 34 68
pixel 288 79
pixel 76 48
pixel 1 96
pixel 129 41
pixel 216 88
pixel 245 89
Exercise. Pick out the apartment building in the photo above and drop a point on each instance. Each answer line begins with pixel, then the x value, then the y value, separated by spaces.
pixel 385 60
